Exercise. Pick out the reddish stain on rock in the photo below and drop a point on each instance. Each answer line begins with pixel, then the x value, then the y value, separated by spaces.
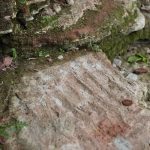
pixel 127 102
pixel 140 71
pixel 107 130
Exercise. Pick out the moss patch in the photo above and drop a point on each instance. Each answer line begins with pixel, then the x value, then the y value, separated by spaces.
pixel 10 129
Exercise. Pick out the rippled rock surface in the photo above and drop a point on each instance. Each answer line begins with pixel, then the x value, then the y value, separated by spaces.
pixel 80 105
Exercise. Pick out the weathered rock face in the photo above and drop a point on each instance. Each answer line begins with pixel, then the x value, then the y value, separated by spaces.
pixel 71 22
pixel 80 105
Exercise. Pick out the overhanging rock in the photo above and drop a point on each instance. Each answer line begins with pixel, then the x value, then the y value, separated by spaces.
pixel 78 106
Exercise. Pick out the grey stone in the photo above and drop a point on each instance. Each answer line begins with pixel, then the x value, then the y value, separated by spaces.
pixel 30 18
pixel 6 31
pixel 132 76
pixel 60 57
pixel 70 2
pixel 139 22
pixel 147 50
pixel 117 62
pixel 57 8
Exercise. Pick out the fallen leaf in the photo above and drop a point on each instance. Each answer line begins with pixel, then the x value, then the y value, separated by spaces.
pixel 140 71
pixel 137 58
pixel 133 59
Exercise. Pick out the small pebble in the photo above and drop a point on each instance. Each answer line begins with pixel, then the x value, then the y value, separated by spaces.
pixel 140 71
pixel 147 50
pixel 117 62
pixel 7 18
pixel 29 18
pixel 127 102
pixel 57 8
pixel 132 76
pixel 60 57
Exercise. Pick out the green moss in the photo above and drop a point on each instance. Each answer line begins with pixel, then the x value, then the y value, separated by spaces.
pixel 8 130
pixel 117 43
pixel 12 127
pixel 41 22
pixel 112 39
pixel 51 21
pixel 50 52
pixel 22 1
